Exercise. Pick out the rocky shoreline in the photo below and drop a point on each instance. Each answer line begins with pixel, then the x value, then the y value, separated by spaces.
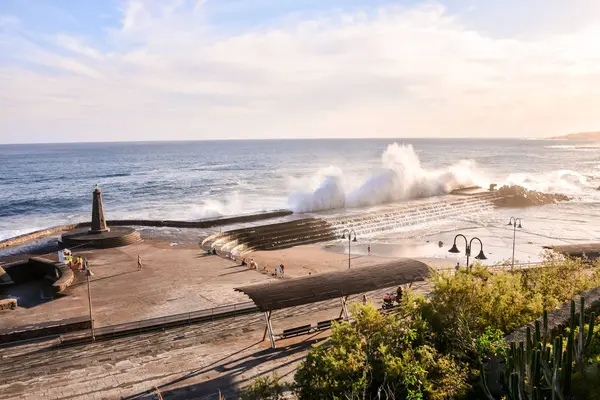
pixel 517 196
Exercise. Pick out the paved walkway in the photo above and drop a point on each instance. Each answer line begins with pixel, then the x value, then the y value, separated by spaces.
pixel 174 279
pixel 188 362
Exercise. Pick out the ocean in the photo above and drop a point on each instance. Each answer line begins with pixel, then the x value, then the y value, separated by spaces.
pixel 44 185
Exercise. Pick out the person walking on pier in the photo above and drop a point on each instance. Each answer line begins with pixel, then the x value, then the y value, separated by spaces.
pixel 139 263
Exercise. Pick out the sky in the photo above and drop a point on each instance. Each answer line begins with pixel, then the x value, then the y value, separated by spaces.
pixel 129 70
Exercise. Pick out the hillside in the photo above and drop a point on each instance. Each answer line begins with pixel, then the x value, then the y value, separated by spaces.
pixel 579 136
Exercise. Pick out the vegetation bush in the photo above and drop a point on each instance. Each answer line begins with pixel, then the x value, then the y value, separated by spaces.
pixel 586 381
pixel 433 349
pixel 264 388
pixel 560 279
pixel 545 367
pixel 462 306
pixel 380 355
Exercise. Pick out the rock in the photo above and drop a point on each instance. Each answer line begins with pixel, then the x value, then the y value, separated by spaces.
pixel 518 196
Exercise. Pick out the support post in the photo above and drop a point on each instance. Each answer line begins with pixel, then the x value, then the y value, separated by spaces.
pixel 514 236
pixel 349 244
pixel 266 326
pixel 269 328
pixel 468 255
pixel 344 309
pixel 90 303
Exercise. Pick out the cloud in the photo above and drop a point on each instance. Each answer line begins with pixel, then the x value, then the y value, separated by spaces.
pixel 77 45
pixel 168 72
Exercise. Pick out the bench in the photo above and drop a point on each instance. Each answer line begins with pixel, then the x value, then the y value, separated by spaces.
pixel 300 330
pixel 326 324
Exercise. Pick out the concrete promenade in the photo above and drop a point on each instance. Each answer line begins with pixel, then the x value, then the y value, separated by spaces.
pixel 192 362
pixel 174 279
pixel 185 362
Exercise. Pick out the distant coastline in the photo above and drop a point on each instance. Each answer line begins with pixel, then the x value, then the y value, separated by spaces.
pixel 579 136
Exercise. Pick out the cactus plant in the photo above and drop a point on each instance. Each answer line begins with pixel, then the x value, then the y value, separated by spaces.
pixel 582 342
pixel 537 371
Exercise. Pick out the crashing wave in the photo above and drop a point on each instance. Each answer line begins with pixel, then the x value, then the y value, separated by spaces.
pixel 401 177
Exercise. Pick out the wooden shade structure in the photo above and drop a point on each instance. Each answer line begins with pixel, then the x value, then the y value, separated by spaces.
pixel 314 288
pixel 340 284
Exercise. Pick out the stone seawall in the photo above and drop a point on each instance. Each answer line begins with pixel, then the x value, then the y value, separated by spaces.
pixel 27 237
pixel 37 268
pixel 62 275
pixel 44 329
pixel 207 223
pixel 23 271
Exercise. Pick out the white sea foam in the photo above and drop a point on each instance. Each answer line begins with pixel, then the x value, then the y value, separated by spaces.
pixel 561 181
pixel 590 146
pixel 211 208
pixel 400 177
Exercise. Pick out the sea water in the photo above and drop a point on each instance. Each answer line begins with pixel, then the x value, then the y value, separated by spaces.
pixel 51 184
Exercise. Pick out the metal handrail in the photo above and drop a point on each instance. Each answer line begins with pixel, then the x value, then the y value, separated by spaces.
pixel 181 317
pixel 139 325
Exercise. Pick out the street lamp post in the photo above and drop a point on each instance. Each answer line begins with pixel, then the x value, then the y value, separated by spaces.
pixel 88 274
pixel 513 222
pixel 350 240
pixel 468 247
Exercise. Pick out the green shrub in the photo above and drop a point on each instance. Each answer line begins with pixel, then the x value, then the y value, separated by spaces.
pixel 463 305
pixel 379 354
pixel 586 383
pixel 430 349
pixel 490 343
pixel 264 388
pixel 560 279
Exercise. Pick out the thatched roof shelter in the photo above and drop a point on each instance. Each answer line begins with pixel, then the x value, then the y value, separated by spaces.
pixel 311 289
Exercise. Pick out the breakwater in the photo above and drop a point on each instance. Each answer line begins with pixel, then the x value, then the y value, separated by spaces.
pixel 323 227
pixel 206 223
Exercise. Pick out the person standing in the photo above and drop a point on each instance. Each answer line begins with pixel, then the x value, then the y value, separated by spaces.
pixel 139 263
pixel 399 294
pixel 369 250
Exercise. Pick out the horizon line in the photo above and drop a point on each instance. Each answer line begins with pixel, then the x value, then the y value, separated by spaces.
pixel 273 139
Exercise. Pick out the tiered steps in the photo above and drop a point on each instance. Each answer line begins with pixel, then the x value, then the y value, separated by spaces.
pixel 125 240
pixel 375 222
pixel 116 237
pixel 325 228
pixel 271 237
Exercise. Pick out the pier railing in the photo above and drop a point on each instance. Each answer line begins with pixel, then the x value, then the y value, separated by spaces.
pixel 498 267
pixel 148 325
pixel 181 319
